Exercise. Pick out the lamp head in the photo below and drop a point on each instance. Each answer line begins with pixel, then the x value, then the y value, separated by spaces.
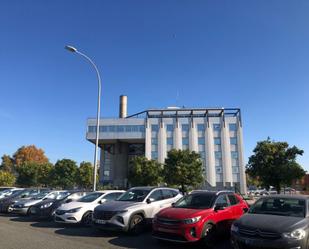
pixel 71 49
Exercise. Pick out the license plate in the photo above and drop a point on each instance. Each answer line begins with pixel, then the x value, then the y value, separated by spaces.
pixel 102 222
pixel 166 230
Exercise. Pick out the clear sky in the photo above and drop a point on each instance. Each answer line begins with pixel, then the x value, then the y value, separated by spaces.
pixel 248 54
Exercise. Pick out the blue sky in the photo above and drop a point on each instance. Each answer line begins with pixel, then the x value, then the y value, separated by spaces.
pixel 248 54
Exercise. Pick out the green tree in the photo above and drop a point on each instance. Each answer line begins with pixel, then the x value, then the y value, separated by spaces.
pixel 274 164
pixel 6 178
pixel 7 163
pixel 184 168
pixel 144 172
pixel 84 176
pixel 28 174
pixel 64 174
pixel 44 174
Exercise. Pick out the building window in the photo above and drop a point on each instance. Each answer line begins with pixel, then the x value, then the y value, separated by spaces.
pixel 216 127
pixel 92 128
pixel 218 154
pixel 155 128
pixel 169 141
pixel 202 154
pixel 218 170
pixel 185 127
pixel 120 128
pixel 201 127
pixel 232 127
pixel 169 127
pixel 154 141
pixel 201 140
pixel 234 154
pixel 217 140
pixel 233 140
pixel 235 170
pixel 218 162
pixel 154 155
pixel 185 141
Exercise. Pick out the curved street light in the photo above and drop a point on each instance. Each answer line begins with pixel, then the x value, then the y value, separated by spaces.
pixel 74 50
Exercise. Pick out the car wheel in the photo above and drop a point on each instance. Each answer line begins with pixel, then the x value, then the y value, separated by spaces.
pixel 208 235
pixel 87 219
pixel 136 224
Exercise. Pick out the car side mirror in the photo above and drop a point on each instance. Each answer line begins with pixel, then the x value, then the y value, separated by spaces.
pixel 245 209
pixel 102 201
pixel 149 200
pixel 173 204
pixel 219 207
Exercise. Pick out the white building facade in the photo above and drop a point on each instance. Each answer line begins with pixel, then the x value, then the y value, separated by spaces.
pixel 214 133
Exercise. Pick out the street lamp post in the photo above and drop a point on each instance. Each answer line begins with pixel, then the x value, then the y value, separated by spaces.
pixel 74 50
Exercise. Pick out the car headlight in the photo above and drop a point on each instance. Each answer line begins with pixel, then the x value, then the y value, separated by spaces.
pixel 74 210
pixel 234 228
pixel 192 220
pixel 46 205
pixel 296 234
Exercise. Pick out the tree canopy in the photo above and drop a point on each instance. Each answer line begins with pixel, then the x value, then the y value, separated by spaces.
pixel 144 172
pixel 27 154
pixel 6 178
pixel 84 175
pixel 64 174
pixel 274 164
pixel 184 168
pixel 7 163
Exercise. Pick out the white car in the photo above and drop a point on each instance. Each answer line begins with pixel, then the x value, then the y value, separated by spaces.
pixel 80 211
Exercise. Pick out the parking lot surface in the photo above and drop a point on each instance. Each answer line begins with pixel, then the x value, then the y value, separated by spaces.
pixel 23 233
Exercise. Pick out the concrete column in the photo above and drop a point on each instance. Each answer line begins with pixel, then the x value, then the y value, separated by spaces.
pixel 147 140
pixel 210 156
pixel 161 143
pixel 242 171
pixel 226 155
pixel 193 146
pixel 177 136
pixel 101 169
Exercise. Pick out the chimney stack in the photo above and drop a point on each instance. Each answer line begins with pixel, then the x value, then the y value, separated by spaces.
pixel 123 105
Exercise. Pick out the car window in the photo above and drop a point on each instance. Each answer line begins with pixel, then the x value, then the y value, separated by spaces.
pixel 280 206
pixel 156 195
pixel 233 199
pixel 112 196
pixel 167 194
pixel 134 195
pixel 195 201
pixel 90 197
pixel 222 201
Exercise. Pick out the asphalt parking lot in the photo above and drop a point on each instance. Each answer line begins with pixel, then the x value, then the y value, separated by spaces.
pixel 23 233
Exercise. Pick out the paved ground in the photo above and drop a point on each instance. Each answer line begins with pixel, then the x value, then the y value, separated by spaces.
pixel 22 233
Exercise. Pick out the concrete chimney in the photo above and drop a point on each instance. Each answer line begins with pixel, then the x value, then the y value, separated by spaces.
pixel 123 106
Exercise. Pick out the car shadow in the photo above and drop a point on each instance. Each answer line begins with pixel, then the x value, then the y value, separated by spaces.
pixel 45 224
pixel 78 231
pixel 21 219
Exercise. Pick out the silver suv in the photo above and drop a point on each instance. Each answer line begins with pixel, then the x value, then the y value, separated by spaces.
pixel 132 210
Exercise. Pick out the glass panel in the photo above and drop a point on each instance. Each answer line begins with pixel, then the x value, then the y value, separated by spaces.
pixel 169 141
pixel 216 127
pixel 217 140
pixel 233 140
pixel 155 128
pixel 201 127
pixel 233 127
pixel 169 127
pixel 201 140
pixel 218 154
pixel 234 154
pixel 185 141
pixel 185 127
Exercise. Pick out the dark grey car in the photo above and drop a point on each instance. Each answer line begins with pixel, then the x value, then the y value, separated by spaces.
pixel 273 222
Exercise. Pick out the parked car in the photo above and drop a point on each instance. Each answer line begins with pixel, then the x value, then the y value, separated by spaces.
pixel 81 210
pixel 199 217
pixel 14 197
pixel 46 208
pixel 133 209
pixel 7 192
pixel 23 206
pixel 279 221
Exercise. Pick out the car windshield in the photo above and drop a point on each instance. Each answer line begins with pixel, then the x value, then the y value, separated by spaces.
pixel 62 195
pixel 196 201
pixel 134 195
pixel 280 206
pixel 90 198
pixel 38 196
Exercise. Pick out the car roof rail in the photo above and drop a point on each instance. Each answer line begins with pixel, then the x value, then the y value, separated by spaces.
pixel 225 192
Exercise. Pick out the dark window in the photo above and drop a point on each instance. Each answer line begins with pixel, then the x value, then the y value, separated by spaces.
pixel 156 195
pixel 222 201
pixel 233 199
pixel 112 196
pixel 167 194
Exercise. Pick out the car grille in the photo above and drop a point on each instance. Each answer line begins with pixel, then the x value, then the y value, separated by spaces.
pixel 165 221
pixel 104 215
pixel 60 212
pixel 254 232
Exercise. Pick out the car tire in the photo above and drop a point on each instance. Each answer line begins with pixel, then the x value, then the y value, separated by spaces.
pixel 136 224
pixel 87 219
pixel 209 235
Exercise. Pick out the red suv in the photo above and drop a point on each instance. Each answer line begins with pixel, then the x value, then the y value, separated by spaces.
pixel 199 216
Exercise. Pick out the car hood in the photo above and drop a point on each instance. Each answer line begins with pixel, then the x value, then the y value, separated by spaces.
pixel 118 205
pixel 45 201
pixel 183 213
pixel 272 223
pixel 76 204
pixel 28 202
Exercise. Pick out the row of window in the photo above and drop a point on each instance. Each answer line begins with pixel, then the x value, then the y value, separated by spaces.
pixel 201 140
pixel 200 127
pixel 117 128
